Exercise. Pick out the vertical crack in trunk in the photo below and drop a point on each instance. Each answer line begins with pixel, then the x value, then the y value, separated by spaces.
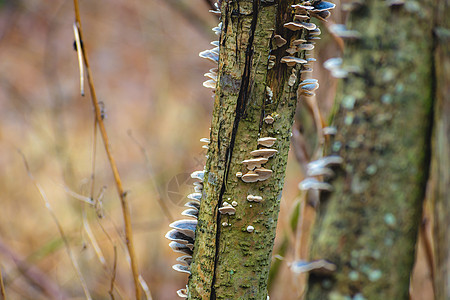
pixel 241 104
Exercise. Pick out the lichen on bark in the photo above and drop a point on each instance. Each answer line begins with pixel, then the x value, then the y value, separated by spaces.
pixel 230 262
pixel 368 225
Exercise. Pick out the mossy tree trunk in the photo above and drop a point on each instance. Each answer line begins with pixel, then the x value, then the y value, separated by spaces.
pixel 440 167
pixel 368 225
pixel 229 262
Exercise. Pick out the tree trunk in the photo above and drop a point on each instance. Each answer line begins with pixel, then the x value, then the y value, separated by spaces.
pixel 231 261
pixel 368 225
pixel 440 167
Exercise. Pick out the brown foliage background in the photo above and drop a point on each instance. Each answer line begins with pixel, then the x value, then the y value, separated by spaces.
pixel 147 73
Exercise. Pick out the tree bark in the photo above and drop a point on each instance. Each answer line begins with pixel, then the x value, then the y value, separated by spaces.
pixel 440 167
pixel 229 262
pixel 368 225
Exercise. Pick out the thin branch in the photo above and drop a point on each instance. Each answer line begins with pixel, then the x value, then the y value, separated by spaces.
pixel 120 190
pixel 60 229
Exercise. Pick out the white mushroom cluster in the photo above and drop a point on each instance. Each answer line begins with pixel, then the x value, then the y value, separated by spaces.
pixel 302 21
pixel 256 171
pixel 182 235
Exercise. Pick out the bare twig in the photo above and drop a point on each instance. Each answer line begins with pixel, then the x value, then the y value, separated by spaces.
pixel 60 229
pixel 120 190
pixel 111 289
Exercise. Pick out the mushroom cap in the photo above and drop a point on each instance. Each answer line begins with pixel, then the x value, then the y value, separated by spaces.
pixel 239 174
pixel 279 40
pixel 268 153
pixel 211 75
pixel 263 173
pixel 186 259
pixel 294 26
pixel 320 172
pixel 314 184
pixel 208 54
pixel 254 162
pixel 306 70
pixel 186 227
pixel 325 162
pixel 292 61
pixel 250 177
pixel 182 293
pixel 181 268
pixel 230 210
pixel 198 175
pixel 193 204
pixel 215 43
pixel 315 31
pixel 301 17
pixel 291 50
pixel 190 212
pixel 321 15
pixel 298 42
pixel 180 248
pixel 210 84
pixel 305 46
pixel 250 228
pixel 322 6
pixel 205 140
pixel 269 119
pixel 179 237
pixel 300 7
pixel 253 198
pixel 308 26
pixel 267 141
pixel 292 79
pixel 310 87
pixel 307 81
pixel 195 196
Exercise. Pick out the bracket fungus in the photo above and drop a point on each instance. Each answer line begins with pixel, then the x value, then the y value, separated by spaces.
pixel 185 259
pixel 250 176
pixel 181 268
pixel 263 173
pixel 190 212
pixel 180 248
pixel 193 204
pixel 253 163
pixel 267 141
pixel 278 40
pixel 267 153
pixel 195 196
pixel 227 210
pixel 253 198
pixel 182 293
pixel 179 237
pixel 186 227
pixel 305 47
pixel 325 162
pixel 269 119
pixel 314 184
pixel 198 175
pixel 292 61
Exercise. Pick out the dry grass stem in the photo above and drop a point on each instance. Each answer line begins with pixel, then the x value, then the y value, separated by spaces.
pixel 60 229
pixel 2 286
pixel 120 190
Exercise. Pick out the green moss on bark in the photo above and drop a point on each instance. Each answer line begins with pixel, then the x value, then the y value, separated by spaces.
pixel 368 225
pixel 230 262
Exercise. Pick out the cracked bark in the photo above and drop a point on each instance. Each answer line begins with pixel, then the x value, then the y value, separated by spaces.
pixel 228 261
pixel 368 225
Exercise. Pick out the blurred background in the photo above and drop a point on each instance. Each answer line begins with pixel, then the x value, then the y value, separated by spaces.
pixel 148 77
